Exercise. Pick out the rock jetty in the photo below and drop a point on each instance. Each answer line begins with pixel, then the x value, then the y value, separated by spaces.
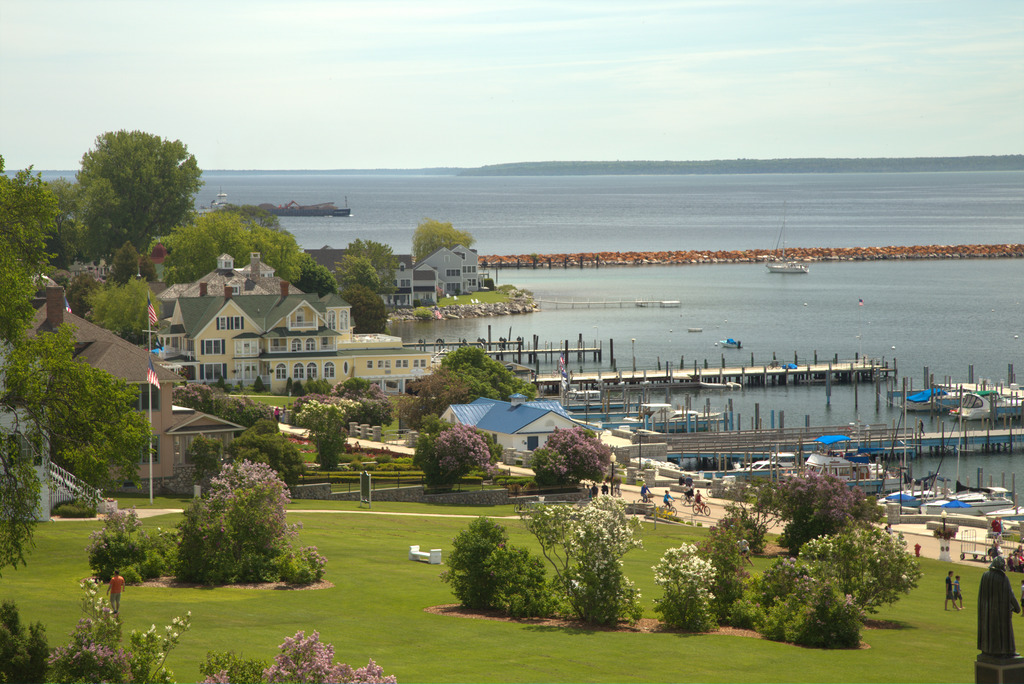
pixel 807 254
pixel 516 305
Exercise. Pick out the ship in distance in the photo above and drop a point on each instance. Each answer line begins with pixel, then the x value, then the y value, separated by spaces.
pixel 293 208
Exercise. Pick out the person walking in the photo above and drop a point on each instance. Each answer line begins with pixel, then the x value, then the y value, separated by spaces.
pixel 949 591
pixel 957 596
pixel 745 551
pixel 114 589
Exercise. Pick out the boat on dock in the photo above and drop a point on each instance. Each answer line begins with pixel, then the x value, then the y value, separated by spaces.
pixel 935 400
pixel 987 404
pixel 730 343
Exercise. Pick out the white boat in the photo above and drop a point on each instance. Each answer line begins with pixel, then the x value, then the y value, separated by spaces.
pixel 730 343
pixel 781 264
pixel 720 385
pixel 986 404
pixel 968 503
pixel 935 399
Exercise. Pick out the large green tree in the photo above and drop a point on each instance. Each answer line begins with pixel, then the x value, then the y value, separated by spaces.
pixel 380 257
pixel 357 270
pixel 368 312
pixel 192 249
pixel 67 242
pixel 135 186
pixel 122 309
pixel 431 235
pixel 27 211
pixel 314 278
pixel 485 376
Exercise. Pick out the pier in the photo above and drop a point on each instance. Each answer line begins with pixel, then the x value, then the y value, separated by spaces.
pixel 609 303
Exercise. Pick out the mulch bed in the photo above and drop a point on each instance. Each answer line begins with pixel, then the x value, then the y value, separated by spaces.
pixel 171 583
pixel 645 625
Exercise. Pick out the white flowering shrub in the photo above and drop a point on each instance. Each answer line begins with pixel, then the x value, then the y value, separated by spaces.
pixel 585 547
pixel 867 563
pixel 687 579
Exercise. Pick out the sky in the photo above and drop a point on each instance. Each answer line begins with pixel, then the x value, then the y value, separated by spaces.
pixel 354 84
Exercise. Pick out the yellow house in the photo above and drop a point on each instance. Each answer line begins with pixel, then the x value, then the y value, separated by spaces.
pixel 293 336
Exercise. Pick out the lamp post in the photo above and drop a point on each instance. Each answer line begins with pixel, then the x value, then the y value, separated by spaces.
pixel 944 542
pixel 633 342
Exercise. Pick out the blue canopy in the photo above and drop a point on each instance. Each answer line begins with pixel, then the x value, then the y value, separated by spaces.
pixel 956 503
pixel 789 366
pixel 731 341
pixel 904 498
pixel 926 395
pixel 832 439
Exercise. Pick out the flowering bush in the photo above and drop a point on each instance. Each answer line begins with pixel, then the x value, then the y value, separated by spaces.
pixel 819 505
pixel 778 581
pixel 226 667
pixel 451 454
pixel 326 421
pixel 95 654
pixel 585 546
pixel 306 659
pixel 123 545
pixel 687 580
pixel 570 456
pixel 237 531
pixel 816 614
pixel 872 566
pixel 374 406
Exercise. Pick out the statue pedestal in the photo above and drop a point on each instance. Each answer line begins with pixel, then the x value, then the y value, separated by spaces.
pixel 995 670
pixel 944 551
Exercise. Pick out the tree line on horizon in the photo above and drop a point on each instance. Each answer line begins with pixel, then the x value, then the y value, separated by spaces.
pixel 1012 162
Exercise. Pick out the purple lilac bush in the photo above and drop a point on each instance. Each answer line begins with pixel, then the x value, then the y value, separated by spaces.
pixel 570 456
pixel 307 659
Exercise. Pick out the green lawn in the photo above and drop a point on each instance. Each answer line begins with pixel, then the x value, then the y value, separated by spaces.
pixel 376 609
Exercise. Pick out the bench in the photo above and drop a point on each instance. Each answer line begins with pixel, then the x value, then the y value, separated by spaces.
pixel 433 556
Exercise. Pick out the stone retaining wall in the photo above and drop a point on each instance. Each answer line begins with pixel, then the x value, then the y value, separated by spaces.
pixel 480 497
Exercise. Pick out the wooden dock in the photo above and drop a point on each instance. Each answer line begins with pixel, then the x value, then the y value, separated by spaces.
pixel 608 303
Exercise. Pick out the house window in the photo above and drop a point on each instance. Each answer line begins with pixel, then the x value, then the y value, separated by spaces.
pixel 453 272
pixel 311 371
pixel 299 371
pixel 311 344
pixel 329 370
pixel 278 346
pixel 215 347
pixel 246 348
pixel 142 403
pixel 332 319
pixel 369 364
pixel 344 368
pixel 212 371
pixel 326 342
pixel 281 372
pixel 230 323
pixel 296 345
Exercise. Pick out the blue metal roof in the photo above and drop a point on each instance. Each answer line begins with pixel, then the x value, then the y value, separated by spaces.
pixel 492 415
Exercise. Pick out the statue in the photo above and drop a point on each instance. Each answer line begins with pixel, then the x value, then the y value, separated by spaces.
pixel 995 601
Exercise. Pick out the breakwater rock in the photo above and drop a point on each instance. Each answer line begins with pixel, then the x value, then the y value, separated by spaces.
pixel 807 254
pixel 515 305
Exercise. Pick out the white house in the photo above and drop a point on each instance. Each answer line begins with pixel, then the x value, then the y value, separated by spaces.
pixel 518 424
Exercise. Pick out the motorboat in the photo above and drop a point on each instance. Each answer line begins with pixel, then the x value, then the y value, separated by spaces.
pixel 972 503
pixel 730 343
pixel 987 404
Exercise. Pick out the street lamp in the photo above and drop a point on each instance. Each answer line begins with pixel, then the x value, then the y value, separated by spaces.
pixel 633 341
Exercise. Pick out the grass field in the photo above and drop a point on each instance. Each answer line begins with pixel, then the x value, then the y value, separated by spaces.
pixel 376 609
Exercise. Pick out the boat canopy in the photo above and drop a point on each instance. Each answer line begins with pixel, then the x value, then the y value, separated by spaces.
pixel 924 396
pixel 731 341
pixel 832 439
pixel 956 503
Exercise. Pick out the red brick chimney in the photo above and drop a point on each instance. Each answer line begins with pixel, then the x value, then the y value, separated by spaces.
pixel 54 306
pixel 284 289
pixel 227 292
pixel 202 289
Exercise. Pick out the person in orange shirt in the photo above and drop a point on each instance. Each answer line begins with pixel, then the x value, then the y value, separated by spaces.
pixel 114 589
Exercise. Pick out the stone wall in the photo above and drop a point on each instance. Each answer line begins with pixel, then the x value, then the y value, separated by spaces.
pixel 480 497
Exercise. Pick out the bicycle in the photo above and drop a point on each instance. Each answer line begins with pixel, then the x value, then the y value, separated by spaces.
pixel 701 509
pixel 669 508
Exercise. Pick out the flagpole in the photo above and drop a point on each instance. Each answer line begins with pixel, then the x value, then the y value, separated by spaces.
pixel 149 347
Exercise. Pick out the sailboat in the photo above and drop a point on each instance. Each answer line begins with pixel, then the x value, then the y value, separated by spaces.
pixel 781 265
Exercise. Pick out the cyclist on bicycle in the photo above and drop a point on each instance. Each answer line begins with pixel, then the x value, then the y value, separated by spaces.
pixel 697 498
pixel 645 493
pixel 688 493
pixel 668 498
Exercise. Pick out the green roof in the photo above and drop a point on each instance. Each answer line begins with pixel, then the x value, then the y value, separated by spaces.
pixel 264 310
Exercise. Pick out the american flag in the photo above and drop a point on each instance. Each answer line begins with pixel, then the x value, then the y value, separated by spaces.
pixel 151 375
pixel 563 372
pixel 67 307
pixel 860 302
pixel 152 312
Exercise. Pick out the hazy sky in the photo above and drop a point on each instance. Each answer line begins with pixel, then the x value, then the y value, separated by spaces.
pixel 407 84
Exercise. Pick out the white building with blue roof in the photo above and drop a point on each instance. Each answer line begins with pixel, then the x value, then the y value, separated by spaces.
pixel 517 424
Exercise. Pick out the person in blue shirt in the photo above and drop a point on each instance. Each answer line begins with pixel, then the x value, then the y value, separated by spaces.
pixel 645 493
pixel 668 498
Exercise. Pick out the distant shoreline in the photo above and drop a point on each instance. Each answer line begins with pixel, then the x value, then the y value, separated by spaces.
pixel 802 254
